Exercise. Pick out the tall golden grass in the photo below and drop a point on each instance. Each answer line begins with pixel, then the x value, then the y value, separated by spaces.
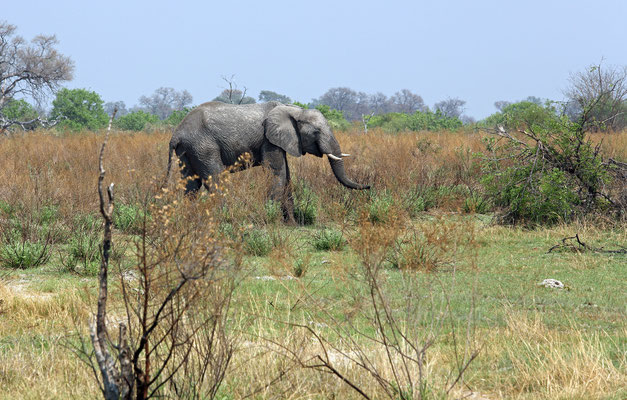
pixel 41 168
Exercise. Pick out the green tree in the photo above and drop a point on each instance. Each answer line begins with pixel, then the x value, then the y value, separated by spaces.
pixel 522 114
pixel 135 121
pixel 268 95
pixel 334 117
pixel 418 121
pixel 79 109
pixel 19 110
pixel 21 113
pixel 177 116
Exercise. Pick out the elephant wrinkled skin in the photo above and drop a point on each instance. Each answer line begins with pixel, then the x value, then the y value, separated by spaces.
pixel 214 135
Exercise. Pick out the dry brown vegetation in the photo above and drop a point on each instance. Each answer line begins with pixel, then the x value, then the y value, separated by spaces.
pixel 58 168
pixel 310 337
pixel 41 168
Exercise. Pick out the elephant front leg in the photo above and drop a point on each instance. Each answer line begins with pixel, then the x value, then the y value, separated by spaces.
pixel 286 198
pixel 281 192
pixel 281 189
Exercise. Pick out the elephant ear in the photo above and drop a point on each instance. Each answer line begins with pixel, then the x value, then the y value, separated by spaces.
pixel 281 129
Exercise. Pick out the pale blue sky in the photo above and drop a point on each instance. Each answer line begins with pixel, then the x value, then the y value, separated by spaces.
pixel 479 51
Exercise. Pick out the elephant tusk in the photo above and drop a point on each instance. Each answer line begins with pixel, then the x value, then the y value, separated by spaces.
pixel 332 157
pixel 345 155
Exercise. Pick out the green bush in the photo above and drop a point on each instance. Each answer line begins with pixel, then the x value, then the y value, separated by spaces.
pixel 430 196
pixel 380 206
pixel 135 121
pixel 418 121
pixel 176 117
pixel 414 203
pixel 227 230
pixel 257 243
pixel 548 199
pixel 27 234
pixel 476 203
pixel 273 211
pixel 328 240
pixel 82 253
pixel 524 114
pixel 24 254
pixel 128 218
pixel 547 173
pixel 334 117
pixel 48 214
pixel 305 204
pixel 6 208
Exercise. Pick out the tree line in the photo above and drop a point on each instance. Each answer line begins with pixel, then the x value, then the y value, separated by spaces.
pixel 35 71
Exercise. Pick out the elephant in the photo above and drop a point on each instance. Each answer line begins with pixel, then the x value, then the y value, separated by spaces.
pixel 214 135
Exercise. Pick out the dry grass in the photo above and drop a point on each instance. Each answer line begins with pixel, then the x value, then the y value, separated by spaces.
pixel 40 168
pixel 36 327
pixel 537 362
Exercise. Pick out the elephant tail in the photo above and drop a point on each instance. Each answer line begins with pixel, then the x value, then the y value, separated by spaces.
pixel 173 144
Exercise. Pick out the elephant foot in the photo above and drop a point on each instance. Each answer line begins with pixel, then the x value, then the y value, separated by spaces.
pixel 192 186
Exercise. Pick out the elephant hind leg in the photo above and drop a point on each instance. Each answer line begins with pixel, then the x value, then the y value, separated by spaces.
pixel 193 185
pixel 196 169
pixel 193 181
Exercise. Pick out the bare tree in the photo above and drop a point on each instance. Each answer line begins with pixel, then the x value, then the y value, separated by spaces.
pixel 166 100
pixel 361 107
pixel 451 107
pixel 351 103
pixel 379 103
pixel 467 119
pixel 501 104
pixel 232 94
pixel 600 94
pixel 172 338
pixel 404 101
pixel 339 98
pixel 34 70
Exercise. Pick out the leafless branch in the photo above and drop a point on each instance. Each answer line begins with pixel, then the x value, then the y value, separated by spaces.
pixel 583 247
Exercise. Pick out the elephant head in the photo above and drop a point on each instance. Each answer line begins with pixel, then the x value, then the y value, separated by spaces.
pixel 299 131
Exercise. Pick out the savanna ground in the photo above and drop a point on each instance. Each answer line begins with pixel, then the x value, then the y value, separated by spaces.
pixel 449 276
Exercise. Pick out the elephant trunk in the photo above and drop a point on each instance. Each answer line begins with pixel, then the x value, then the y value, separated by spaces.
pixel 337 165
pixel 340 173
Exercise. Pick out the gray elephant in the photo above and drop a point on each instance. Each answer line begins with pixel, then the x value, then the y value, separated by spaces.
pixel 214 135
